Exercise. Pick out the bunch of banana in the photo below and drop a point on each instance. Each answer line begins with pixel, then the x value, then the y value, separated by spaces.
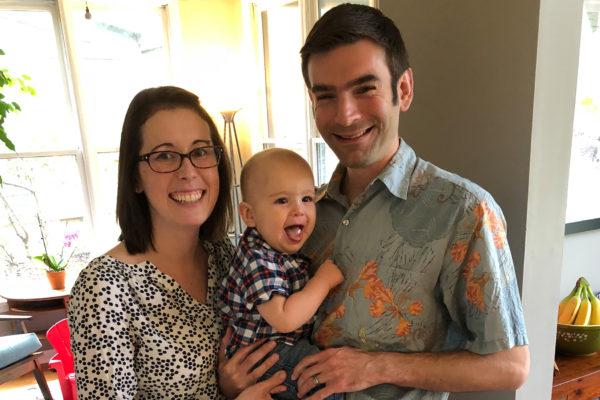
pixel 580 307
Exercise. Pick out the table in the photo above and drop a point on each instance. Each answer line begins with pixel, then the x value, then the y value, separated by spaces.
pixel 578 378
pixel 34 295
pixel 45 305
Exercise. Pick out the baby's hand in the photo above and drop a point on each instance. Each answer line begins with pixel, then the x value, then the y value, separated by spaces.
pixel 330 273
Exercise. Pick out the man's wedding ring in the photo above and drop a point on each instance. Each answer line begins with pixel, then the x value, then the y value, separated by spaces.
pixel 315 380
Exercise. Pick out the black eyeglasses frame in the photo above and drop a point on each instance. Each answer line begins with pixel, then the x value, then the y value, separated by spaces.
pixel 217 149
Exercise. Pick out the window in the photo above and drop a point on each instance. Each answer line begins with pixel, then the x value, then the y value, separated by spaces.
pixel 281 27
pixel 62 180
pixel 583 209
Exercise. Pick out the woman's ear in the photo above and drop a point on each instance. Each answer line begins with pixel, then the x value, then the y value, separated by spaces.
pixel 245 210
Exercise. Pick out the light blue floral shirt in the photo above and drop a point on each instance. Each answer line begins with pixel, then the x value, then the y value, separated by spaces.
pixel 426 267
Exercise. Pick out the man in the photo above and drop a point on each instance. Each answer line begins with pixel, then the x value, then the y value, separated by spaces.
pixel 429 304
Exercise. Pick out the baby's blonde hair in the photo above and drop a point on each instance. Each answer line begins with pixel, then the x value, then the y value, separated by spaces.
pixel 270 156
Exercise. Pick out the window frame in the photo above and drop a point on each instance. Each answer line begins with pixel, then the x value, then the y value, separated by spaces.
pixel 309 13
pixel 86 155
pixel 589 224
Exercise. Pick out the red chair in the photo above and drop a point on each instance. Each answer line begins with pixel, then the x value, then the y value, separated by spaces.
pixel 62 362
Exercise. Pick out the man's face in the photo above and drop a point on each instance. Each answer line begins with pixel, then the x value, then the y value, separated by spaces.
pixel 352 103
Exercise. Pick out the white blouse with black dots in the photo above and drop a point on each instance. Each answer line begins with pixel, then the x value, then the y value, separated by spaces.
pixel 136 334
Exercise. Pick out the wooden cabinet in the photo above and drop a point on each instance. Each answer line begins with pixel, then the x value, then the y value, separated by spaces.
pixel 578 378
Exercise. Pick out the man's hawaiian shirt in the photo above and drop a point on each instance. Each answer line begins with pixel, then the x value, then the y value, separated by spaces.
pixel 426 267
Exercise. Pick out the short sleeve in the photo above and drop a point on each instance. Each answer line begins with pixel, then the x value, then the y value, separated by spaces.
pixel 479 283
pixel 262 278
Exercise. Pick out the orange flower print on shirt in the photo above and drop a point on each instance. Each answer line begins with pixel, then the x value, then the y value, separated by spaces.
pixel 328 330
pixel 383 299
pixel 474 259
pixel 492 222
pixel 416 308
pixel 499 239
pixel 475 292
pixel 459 251
pixel 369 271
pixel 326 333
pixel 487 219
pixel 403 328
pixel 339 312
pixel 377 308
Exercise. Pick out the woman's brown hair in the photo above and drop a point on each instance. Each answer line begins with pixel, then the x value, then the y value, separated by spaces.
pixel 133 213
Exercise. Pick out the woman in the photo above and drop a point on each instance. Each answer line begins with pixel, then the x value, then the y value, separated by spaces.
pixel 142 316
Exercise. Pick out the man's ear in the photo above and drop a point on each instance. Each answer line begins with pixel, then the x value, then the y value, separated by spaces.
pixel 245 210
pixel 405 89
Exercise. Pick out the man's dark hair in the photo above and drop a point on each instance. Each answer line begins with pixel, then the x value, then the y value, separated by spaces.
pixel 349 23
pixel 133 213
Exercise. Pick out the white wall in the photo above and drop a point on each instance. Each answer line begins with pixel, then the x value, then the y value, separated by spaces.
pixel 581 257
pixel 494 94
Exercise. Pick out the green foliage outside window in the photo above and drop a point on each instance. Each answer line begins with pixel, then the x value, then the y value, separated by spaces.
pixel 7 106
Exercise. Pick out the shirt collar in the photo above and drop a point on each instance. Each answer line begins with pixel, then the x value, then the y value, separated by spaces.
pixel 254 239
pixel 395 176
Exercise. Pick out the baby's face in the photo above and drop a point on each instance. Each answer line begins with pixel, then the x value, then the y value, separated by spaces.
pixel 282 206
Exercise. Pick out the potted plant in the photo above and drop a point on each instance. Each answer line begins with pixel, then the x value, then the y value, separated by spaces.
pixel 55 269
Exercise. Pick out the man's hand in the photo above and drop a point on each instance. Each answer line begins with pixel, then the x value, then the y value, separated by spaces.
pixel 347 369
pixel 264 389
pixel 342 370
pixel 236 374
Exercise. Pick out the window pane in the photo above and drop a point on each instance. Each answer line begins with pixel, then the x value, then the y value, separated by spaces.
pixel 48 188
pixel 325 5
pixel 106 225
pixel 46 122
pixel 120 52
pixel 584 172
pixel 325 160
pixel 285 89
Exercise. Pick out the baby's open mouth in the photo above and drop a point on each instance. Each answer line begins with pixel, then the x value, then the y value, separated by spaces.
pixel 187 197
pixel 294 232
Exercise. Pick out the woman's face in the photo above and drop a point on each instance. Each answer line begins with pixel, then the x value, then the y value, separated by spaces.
pixel 182 198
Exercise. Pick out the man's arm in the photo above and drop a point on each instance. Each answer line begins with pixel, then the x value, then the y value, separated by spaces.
pixel 458 371
pixel 288 314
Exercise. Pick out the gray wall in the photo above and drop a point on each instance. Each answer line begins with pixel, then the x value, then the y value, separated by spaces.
pixel 494 94
pixel 581 257
pixel 474 71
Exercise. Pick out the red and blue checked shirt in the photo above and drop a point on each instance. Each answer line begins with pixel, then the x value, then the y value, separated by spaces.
pixel 258 271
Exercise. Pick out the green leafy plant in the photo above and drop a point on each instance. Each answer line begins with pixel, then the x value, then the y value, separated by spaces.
pixel 8 106
pixel 51 263
pixel 49 260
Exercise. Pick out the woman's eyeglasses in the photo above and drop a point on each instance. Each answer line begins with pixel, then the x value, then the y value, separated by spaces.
pixel 170 161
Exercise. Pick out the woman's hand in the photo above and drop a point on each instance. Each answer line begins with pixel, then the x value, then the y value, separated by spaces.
pixel 236 374
pixel 264 389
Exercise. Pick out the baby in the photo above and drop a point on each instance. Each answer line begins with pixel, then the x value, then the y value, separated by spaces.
pixel 267 293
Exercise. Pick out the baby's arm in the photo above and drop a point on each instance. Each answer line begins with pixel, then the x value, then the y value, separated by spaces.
pixel 287 314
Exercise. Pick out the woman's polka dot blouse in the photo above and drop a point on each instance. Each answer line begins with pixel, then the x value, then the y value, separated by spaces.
pixel 136 334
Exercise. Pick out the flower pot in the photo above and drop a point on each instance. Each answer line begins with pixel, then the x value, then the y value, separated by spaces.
pixel 56 279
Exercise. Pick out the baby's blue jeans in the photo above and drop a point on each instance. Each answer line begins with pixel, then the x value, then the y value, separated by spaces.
pixel 289 356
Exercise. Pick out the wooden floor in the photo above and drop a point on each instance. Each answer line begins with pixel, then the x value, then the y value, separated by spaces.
pixel 9 390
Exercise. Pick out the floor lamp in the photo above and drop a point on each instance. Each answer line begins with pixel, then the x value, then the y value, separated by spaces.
pixel 229 135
